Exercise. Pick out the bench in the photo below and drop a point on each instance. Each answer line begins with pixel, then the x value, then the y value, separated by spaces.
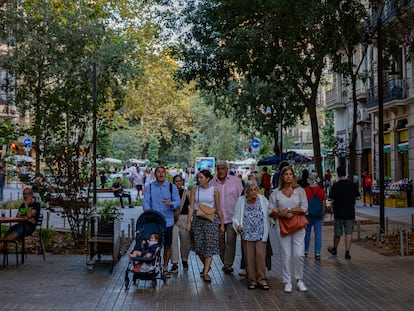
pixel 103 193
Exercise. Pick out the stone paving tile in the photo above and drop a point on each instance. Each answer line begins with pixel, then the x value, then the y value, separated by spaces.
pixel 369 281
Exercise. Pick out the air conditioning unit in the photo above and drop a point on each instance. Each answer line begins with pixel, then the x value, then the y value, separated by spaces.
pixel 362 115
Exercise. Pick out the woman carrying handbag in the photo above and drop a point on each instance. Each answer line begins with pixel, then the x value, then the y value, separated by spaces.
pixel 205 232
pixel 289 206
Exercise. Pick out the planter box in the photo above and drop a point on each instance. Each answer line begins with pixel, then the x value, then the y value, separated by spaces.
pixel 104 240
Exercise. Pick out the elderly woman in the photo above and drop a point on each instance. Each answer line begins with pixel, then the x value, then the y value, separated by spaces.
pixel 251 220
pixel 287 200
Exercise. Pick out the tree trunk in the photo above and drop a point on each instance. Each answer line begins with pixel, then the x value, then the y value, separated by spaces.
pixel 276 149
pixel 315 137
pixel 353 136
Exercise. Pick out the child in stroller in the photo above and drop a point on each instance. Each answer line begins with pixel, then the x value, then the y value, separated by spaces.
pixel 145 259
pixel 148 248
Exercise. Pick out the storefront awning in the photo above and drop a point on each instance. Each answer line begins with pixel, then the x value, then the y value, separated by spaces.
pixel 387 149
pixel 402 147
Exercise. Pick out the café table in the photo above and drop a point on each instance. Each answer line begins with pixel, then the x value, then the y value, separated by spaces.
pixel 16 220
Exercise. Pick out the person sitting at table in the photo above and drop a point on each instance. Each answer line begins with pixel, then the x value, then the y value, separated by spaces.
pixel 30 211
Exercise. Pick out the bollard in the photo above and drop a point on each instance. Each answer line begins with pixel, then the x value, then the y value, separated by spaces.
pixel 401 243
pixel 377 242
pixel 132 227
pixel 122 246
pixel 358 230
pixel 386 225
pixel 407 239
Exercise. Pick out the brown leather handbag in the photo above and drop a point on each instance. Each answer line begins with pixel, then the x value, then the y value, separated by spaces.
pixel 293 224
pixel 206 212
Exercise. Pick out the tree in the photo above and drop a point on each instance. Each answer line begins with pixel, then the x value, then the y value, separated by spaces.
pixel 352 34
pixel 215 135
pixel 282 42
pixel 8 133
pixel 328 137
pixel 53 48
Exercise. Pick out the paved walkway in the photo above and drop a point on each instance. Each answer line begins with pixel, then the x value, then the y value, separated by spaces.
pixel 370 281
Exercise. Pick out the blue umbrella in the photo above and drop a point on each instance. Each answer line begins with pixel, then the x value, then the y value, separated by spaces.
pixel 269 161
pixel 290 156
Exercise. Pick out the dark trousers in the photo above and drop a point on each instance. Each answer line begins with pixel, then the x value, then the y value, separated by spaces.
pixel 124 195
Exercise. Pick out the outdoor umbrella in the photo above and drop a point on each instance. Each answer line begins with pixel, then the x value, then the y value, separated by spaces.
pixel 269 161
pixel 110 160
pixel 21 158
pixel 136 161
pixel 290 157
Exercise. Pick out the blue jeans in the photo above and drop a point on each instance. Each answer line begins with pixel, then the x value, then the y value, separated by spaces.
pixel 1 193
pixel 316 223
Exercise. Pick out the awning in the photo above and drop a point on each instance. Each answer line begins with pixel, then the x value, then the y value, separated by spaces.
pixel 402 147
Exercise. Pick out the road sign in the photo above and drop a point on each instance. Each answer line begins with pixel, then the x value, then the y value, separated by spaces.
pixel 255 143
pixel 27 142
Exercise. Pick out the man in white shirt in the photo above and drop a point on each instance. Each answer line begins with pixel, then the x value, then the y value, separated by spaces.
pixel 138 180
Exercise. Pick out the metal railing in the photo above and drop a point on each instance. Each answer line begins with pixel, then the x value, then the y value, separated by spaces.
pixel 394 89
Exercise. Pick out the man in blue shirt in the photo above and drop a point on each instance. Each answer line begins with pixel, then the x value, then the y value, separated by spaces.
pixel 163 197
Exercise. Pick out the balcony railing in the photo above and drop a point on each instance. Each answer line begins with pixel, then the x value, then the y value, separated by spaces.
pixel 394 89
pixel 389 11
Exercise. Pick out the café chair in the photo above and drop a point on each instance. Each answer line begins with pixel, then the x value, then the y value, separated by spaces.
pixel 16 244
pixel 40 235
pixel 6 251
pixel 39 227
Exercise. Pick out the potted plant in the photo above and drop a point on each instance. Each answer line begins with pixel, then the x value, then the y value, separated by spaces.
pixel 109 217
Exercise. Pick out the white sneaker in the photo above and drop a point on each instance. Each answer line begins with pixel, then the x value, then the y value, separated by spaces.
pixel 288 288
pixel 301 286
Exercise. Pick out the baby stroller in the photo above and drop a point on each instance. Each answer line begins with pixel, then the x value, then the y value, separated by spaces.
pixel 148 268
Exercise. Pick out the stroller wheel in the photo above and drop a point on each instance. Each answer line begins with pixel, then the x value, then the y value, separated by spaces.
pixel 154 283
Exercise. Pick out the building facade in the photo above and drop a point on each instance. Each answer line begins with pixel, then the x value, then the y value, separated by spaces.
pixel 398 110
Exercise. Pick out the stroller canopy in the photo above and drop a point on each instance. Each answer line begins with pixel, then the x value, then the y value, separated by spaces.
pixel 150 222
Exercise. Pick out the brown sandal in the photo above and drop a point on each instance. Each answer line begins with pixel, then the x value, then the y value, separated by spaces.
pixel 264 286
pixel 244 273
pixel 252 286
pixel 207 278
pixel 202 272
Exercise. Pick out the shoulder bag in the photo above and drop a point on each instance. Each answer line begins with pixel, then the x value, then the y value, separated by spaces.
pixel 205 211
pixel 293 224
pixel 177 211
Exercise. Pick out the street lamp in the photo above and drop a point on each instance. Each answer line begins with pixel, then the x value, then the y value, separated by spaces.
pixel 380 70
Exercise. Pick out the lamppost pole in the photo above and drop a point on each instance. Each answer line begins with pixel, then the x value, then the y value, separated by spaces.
pixel 94 134
pixel 381 122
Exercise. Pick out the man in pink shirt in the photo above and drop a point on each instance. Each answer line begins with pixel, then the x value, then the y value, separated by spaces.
pixel 230 188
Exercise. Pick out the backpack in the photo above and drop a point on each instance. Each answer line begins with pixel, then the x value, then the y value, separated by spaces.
pixel 367 181
pixel 315 206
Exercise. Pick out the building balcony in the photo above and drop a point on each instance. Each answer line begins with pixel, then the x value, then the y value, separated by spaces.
pixel 7 111
pixel 394 89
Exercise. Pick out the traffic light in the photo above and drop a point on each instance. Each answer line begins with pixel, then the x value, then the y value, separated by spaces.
pixel 14 148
